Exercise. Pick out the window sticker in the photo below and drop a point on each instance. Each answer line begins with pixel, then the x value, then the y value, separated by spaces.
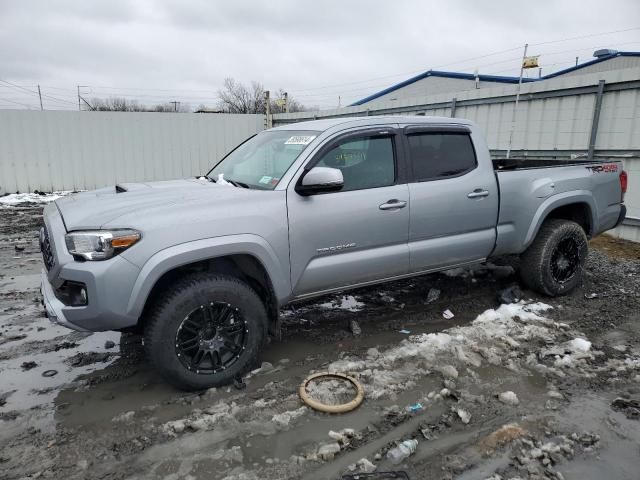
pixel 300 140
pixel 265 180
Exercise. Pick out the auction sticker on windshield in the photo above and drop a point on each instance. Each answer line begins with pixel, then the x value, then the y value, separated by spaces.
pixel 300 140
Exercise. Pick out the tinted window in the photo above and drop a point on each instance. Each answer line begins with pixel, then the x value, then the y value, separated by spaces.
pixel 365 162
pixel 440 155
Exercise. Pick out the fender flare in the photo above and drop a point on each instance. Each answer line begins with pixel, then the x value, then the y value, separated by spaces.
pixel 206 249
pixel 560 200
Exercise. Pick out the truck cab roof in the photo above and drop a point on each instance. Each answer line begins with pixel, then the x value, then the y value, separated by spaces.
pixel 346 122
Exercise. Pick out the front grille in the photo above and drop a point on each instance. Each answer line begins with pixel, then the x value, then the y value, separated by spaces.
pixel 45 248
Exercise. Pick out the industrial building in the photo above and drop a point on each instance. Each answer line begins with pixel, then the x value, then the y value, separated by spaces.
pixel 433 82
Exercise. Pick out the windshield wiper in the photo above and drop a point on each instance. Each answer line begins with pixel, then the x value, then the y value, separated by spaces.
pixel 236 183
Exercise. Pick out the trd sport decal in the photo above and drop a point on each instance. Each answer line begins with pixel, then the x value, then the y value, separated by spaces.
pixel 609 167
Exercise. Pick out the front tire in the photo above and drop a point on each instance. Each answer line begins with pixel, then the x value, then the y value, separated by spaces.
pixel 205 331
pixel 553 263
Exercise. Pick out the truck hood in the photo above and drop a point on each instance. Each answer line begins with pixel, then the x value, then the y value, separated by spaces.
pixel 94 209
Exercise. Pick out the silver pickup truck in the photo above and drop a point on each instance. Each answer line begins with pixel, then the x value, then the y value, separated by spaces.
pixel 202 265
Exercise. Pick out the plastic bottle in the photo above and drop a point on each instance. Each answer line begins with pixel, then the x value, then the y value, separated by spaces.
pixel 402 451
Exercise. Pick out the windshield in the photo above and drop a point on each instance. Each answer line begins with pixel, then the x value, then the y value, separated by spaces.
pixel 261 161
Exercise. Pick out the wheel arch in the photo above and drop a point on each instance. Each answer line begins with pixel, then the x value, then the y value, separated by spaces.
pixel 249 259
pixel 577 206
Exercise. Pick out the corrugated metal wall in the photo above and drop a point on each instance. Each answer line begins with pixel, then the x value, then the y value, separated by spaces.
pixel 552 115
pixel 554 118
pixel 56 150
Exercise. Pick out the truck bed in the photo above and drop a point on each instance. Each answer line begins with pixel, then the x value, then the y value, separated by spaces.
pixel 524 163
pixel 531 189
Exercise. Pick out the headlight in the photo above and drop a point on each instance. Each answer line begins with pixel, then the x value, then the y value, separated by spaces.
pixel 100 244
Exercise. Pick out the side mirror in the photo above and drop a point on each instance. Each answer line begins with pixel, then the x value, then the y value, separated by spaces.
pixel 320 180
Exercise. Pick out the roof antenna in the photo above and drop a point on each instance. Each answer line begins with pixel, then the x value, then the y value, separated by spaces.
pixel 577 61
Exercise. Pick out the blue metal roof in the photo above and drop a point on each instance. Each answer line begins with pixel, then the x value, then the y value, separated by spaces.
pixel 489 78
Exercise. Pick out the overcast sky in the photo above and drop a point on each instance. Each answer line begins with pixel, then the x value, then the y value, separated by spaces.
pixel 182 50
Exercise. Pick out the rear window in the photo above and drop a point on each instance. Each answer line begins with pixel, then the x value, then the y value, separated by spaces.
pixel 440 155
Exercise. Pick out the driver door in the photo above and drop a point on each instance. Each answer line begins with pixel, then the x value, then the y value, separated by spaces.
pixel 359 234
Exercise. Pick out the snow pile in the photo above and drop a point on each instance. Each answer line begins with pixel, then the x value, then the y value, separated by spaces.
pixel 489 338
pixel 40 198
pixel 347 302
pixel 264 417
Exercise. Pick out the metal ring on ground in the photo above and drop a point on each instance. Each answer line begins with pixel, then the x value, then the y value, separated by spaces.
pixel 323 407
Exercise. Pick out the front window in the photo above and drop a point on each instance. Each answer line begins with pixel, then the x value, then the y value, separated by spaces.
pixel 261 161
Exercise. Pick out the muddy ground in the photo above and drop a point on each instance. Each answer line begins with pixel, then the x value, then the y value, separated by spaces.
pixel 77 406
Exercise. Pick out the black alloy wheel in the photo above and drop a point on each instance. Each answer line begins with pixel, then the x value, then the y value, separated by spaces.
pixel 211 338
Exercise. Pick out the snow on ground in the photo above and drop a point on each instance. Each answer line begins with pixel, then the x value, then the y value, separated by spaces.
pixel 489 338
pixel 19 198
pixel 347 302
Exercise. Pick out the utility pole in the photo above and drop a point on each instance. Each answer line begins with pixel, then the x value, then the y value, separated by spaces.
pixel 175 105
pixel 286 102
pixel 40 96
pixel 577 61
pixel 80 99
pixel 515 107
pixel 267 108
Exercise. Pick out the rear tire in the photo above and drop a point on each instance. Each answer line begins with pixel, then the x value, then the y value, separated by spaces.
pixel 205 331
pixel 553 263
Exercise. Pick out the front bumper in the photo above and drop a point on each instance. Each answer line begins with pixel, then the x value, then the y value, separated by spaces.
pixel 108 285
pixel 54 307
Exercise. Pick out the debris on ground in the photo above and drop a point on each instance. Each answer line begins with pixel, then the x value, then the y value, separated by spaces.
pixel 504 435
pixel 346 302
pixel 49 373
pixel 433 295
pixel 405 332
pixel 65 345
pixel 465 417
pixel 416 407
pixel 405 449
pixel 365 466
pixel 628 406
pixel 28 365
pixel 109 344
pixel 448 314
pixel 328 450
pixel 511 294
pixel 355 328
pixel 449 371
pixel 82 359
pixel 508 398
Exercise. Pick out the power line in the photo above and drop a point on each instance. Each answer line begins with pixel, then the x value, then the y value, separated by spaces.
pixel 17 103
pixel 34 93
pixel 469 59
pixel 584 36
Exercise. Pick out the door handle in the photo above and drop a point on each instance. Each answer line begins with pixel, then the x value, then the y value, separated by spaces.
pixel 478 193
pixel 393 204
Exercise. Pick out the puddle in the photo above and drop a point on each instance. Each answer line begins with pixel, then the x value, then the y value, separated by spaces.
pixel 619 438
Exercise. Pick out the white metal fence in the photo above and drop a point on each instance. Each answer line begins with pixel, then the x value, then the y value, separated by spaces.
pixel 57 150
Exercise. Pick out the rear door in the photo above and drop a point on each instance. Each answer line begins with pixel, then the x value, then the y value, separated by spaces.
pixel 359 234
pixel 453 196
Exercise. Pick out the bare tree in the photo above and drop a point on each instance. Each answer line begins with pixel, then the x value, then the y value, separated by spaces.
pixel 116 104
pixel 236 97
pixel 119 104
